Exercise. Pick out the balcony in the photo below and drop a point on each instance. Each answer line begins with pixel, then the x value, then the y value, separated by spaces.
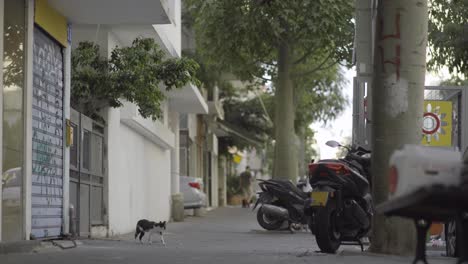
pixel 154 131
pixel 188 99
pixel 114 12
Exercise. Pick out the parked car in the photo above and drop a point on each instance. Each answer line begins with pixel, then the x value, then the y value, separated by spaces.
pixel 11 187
pixel 192 189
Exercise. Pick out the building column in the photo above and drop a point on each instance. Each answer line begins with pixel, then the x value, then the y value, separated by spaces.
pixel 112 135
pixel 66 147
pixel 176 195
pixel 28 130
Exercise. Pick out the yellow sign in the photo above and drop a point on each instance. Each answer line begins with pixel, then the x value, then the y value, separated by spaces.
pixel 51 21
pixel 437 123
pixel 237 158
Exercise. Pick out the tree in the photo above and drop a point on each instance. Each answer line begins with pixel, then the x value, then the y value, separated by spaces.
pixel 398 91
pixel 281 39
pixel 317 99
pixel 138 74
pixel 448 31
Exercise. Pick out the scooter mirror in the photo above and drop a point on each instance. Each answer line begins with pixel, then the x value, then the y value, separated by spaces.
pixel 333 144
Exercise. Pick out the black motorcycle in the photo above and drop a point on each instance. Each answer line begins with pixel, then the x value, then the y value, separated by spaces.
pixel 281 201
pixel 340 205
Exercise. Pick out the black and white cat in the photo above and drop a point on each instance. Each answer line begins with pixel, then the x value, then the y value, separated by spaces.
pixel 144 226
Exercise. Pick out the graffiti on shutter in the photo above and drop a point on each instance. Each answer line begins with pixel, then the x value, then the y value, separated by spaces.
pixel 47 123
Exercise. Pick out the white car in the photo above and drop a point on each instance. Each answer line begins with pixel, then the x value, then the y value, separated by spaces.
pixel 11 187
pixel 192 189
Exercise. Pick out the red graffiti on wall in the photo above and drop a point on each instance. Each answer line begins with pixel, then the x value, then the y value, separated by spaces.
pixel 396 61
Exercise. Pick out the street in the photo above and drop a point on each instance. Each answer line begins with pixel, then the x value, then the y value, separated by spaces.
pixel 224 235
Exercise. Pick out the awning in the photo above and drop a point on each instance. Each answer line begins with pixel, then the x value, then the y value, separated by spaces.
pixel 222 127
pixel 113 12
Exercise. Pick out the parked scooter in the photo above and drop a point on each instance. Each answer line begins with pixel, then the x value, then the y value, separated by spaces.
pixel 281 201
pixel 340 206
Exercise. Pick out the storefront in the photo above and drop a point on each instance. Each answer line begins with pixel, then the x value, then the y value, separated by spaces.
pixel 33 149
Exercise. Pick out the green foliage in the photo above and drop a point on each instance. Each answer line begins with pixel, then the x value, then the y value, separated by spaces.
pixel 310 152
pixel 243 36
pixel 13 52
pixel 138 74
pixel 319 97
pixel 233 186
pixel 448 35
pixel 455 81
pixel 249 115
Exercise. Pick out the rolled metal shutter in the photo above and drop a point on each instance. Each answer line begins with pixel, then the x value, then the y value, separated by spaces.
pixel 47 152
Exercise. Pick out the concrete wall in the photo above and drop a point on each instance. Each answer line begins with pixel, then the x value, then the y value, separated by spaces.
pixel 139 180
pixel 139 173
pixel 138 183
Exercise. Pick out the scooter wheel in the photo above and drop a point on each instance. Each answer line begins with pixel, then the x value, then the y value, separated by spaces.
pixel 326 232
pixel 266 222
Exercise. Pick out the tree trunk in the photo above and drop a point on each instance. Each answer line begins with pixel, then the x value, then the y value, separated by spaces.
pixel 285 162
pixel 398 96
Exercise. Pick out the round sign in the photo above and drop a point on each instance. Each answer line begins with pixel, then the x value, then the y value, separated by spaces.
pixel 431 123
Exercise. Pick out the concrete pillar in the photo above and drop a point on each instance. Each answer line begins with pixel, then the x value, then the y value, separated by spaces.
pixel 66 153
pixel 28 130
pixel 176 195
pixel 112 135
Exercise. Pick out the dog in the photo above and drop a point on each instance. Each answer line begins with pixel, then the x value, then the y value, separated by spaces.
pixel 145 226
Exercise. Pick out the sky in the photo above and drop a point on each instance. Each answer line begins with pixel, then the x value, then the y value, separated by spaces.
pixel 341 127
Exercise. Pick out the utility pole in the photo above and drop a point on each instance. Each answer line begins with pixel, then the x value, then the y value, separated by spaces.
pixel 397 97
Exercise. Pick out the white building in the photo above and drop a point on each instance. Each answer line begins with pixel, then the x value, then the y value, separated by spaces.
pixel 138 174
pixel 143 155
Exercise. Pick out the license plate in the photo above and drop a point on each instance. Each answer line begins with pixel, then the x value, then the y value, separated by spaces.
pixel 319 198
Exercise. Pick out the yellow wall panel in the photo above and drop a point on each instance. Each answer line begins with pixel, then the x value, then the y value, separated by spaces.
pixel 51 21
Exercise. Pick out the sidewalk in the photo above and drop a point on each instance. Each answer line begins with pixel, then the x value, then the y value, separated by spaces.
pixel 225 235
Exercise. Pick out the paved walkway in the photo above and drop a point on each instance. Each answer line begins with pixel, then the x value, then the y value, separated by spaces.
pixel 226 235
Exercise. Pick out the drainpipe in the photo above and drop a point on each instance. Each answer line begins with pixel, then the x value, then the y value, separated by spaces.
pixel 176 196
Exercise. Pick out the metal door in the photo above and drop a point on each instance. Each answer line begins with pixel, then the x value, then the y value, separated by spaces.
pixel 87 172
pixel 47 124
